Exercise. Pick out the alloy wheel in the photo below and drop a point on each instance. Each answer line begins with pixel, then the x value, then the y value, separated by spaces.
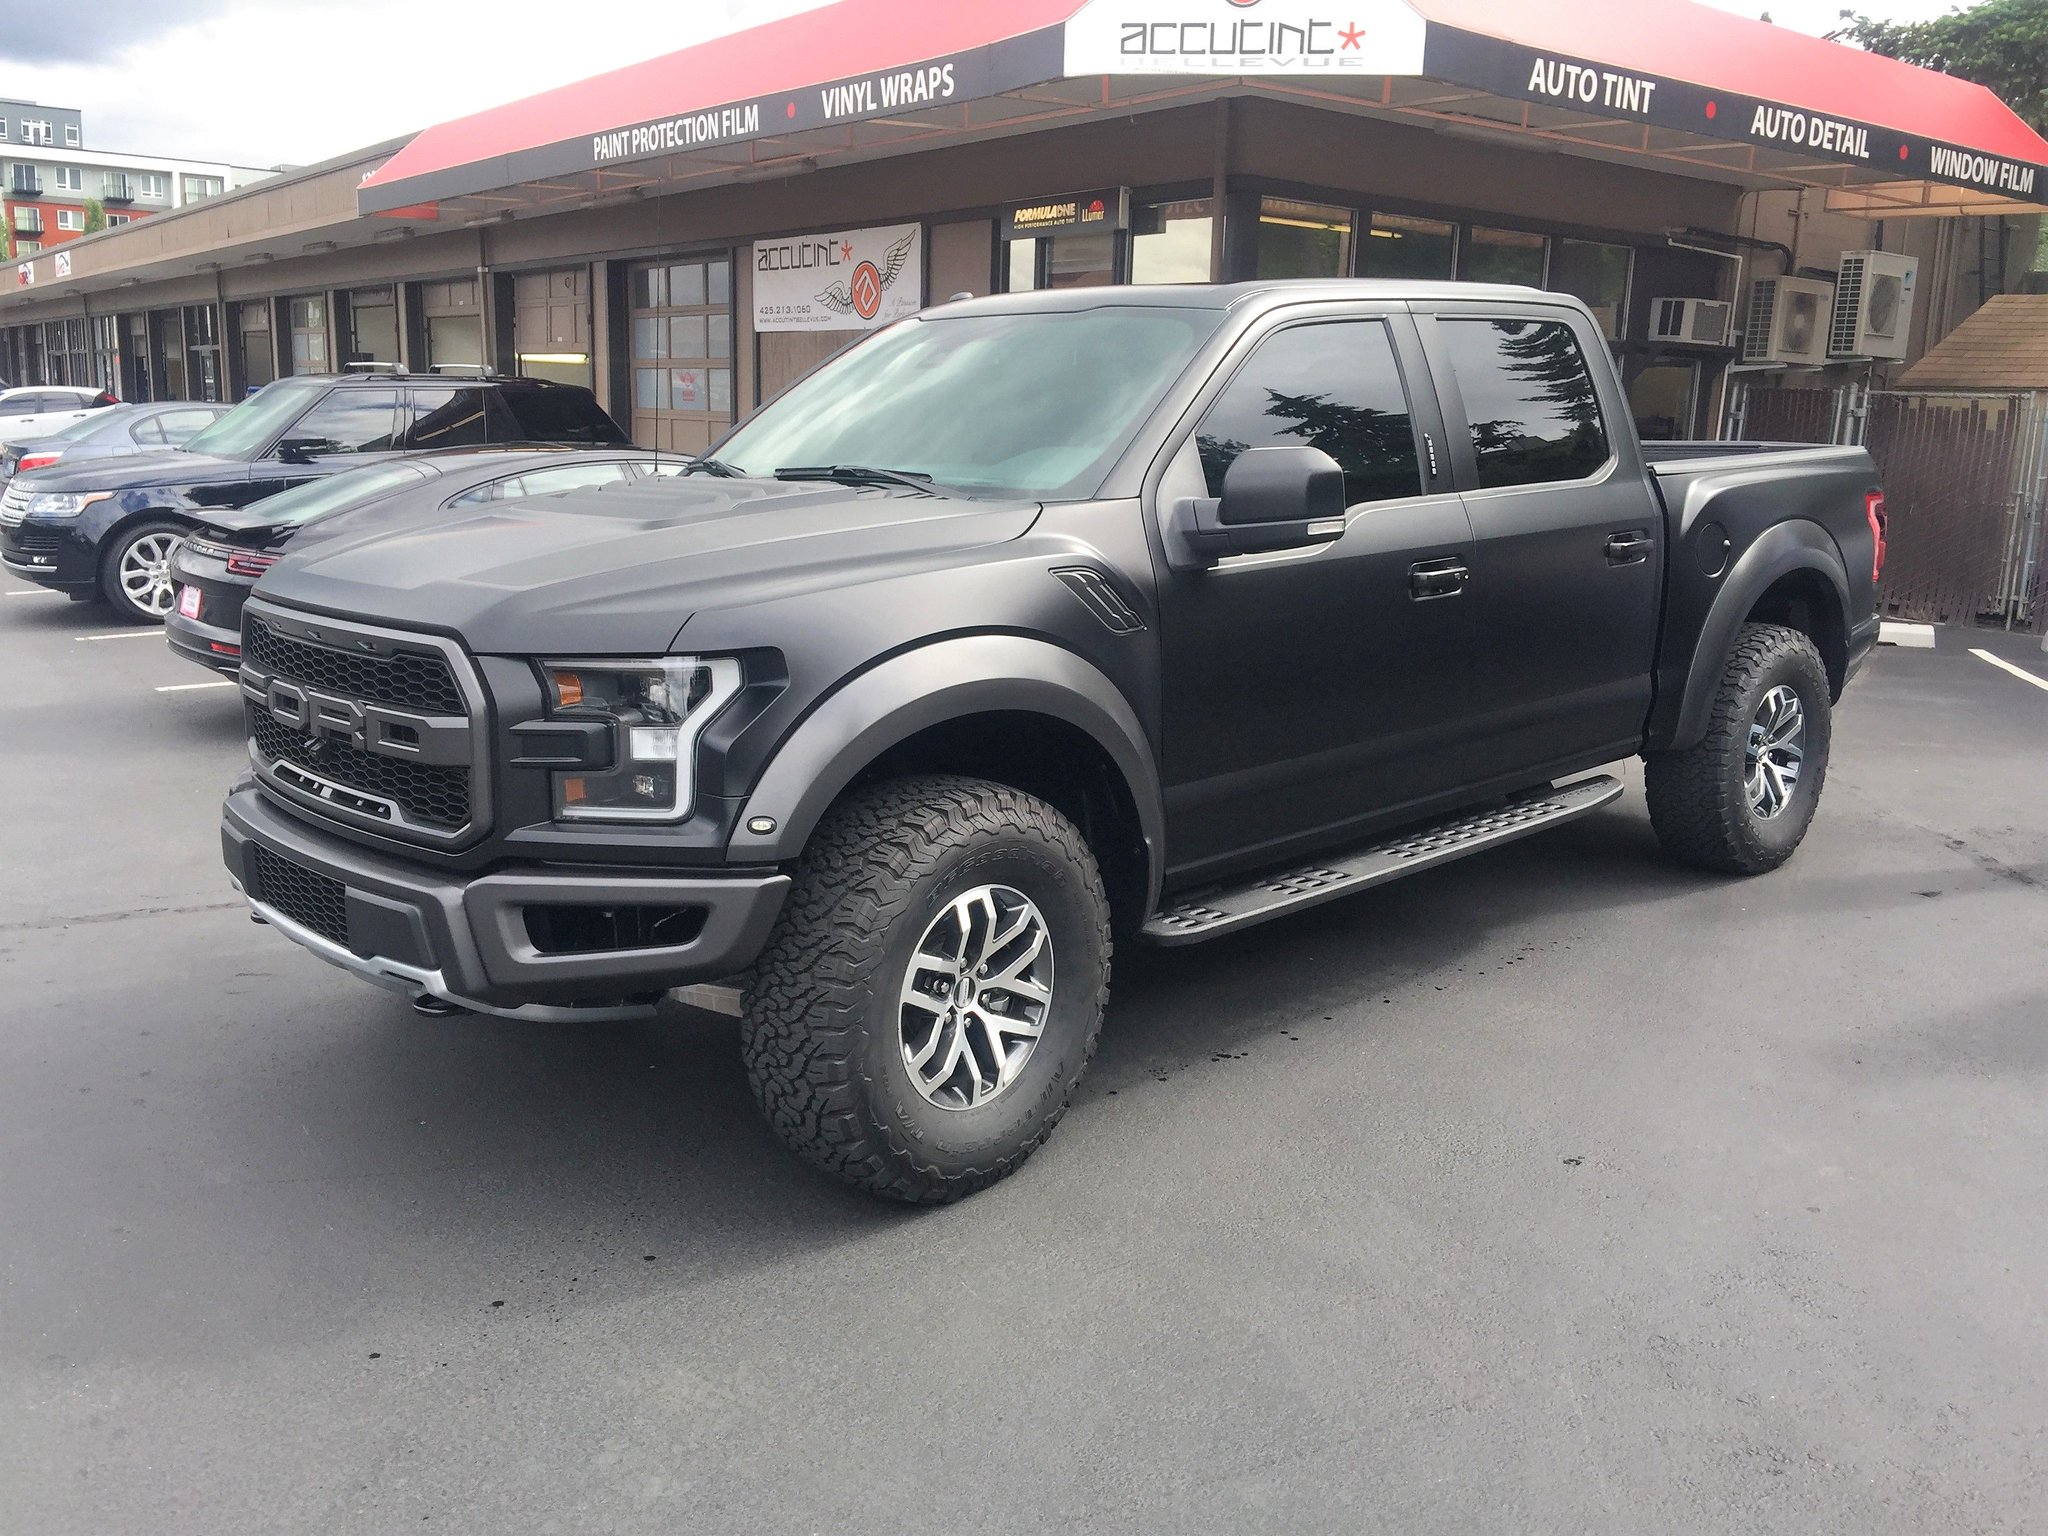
pixel 976 997
pixel 145 573
pixel 1775 753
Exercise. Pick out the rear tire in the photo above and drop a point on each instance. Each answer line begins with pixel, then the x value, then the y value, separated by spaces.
pixel 1741 800
pixel 933 989
pixel 135 571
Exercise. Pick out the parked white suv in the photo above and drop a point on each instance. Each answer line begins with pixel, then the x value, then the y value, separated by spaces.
pixel 43 408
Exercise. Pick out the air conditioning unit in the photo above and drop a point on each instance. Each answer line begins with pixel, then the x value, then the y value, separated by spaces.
pixel 1692 322
pixel 1873 310
pixel 1788 322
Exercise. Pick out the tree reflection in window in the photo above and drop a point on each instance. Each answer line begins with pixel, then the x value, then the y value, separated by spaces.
pixel 1332 386
pixel 1530 398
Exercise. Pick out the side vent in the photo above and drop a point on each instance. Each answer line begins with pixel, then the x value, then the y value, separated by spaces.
pixel 1102 599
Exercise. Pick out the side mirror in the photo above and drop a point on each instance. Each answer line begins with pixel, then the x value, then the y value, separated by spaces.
pixel 300 450
pixel 1273 499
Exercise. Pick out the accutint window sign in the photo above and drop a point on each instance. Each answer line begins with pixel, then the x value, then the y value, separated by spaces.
pixel 1068 213
pixel 1244 37
pixel 851 280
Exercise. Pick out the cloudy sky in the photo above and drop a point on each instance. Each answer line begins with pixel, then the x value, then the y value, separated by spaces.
pixel 263 82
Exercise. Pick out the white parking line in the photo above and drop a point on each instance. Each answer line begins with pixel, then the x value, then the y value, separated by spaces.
pixel 125 634
pixel 1913 637
pixel 34 592
pixel 2006 666
pixel 188 687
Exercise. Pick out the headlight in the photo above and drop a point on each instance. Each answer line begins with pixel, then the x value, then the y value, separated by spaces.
pixel 657 710
pixel 53 504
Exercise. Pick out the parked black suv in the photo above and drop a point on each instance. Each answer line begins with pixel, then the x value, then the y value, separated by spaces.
pixel 107 528
pixel 1174 609
pixel 221 560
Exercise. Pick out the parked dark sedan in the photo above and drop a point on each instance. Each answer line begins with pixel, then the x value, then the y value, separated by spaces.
pixel 118 429
pixel 108 527
pixel 220 560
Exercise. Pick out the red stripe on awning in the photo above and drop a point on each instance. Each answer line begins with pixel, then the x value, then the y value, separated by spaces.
pixel 853 37
pixel 1723 52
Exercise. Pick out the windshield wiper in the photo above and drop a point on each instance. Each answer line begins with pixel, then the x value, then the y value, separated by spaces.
pixel 714 468
pixel 856 474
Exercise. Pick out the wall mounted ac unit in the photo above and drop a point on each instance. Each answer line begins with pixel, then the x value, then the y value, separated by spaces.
pixel 1788 321
pixel 1692 322
pixel 1873 310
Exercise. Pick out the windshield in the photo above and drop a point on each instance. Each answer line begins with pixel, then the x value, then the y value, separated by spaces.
pixel 351 488
pixel 1034 404
pixel 246 431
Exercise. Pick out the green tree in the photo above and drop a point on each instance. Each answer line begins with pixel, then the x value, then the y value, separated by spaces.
pixel 95 215
pixel 2002 44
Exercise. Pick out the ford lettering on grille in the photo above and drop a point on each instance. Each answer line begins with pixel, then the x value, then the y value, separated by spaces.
pixel 367 726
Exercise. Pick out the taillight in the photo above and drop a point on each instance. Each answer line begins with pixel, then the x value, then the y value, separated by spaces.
pixel 240 564
pixel 36 461
pixel 1873 510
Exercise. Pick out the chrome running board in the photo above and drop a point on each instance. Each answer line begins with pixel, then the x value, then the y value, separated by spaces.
pixel 1225 909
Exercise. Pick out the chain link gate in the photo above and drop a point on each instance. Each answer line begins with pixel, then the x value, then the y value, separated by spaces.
pixel 1965 478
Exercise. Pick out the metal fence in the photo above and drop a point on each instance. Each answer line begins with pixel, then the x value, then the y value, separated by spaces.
pixel 1965 477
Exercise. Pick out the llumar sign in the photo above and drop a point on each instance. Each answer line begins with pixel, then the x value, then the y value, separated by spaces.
pixel 1244 37
pixel 1068 213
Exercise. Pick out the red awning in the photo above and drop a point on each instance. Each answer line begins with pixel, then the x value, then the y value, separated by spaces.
pixel 1667 65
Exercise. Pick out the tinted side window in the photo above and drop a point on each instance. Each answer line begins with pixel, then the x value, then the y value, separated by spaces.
pixel 444 418
pixel 560 416
pixel 149 430
pixel 563 477
pixel 348 421
pixel 179 425
pixel 1333 386
pixel 1530 399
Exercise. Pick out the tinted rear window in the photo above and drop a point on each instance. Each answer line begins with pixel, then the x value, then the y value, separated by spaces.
pixel 1530 399
pixel 560 416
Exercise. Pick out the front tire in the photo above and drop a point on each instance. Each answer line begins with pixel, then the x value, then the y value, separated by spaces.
pixel 1741 800
pixel 933 989
pixel 135 573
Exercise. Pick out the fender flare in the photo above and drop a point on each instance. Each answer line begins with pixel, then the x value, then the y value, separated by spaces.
pixel 927 686
pixel 1794 546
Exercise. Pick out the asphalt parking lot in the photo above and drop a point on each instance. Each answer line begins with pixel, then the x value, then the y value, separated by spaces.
pixel 1561 1190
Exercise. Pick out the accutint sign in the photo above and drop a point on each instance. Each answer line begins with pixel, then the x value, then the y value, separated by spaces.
pixel 1244 37
pixel 1069 213
pixel 852 280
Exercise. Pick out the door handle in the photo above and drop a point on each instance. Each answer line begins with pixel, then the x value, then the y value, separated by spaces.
pixel 1437 578
pixel 1631 548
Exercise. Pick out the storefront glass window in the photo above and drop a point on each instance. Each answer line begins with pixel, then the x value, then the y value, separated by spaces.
pixel 1021 274
pixel 1597 273
pixel 309 335
pixel 1081 261
pixel 1170 242
pixel 1661 400
pixel 682 353
pixel 1303 239
pixel 1398 246
pixel 259 358
pixel 373 326
pixel 1503 256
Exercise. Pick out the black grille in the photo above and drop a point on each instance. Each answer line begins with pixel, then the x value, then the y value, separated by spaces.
pixel 431 795
pixel 311 900
pixel 34 541
pixel 404 681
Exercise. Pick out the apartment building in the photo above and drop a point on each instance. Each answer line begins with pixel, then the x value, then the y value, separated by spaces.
pixel 51 174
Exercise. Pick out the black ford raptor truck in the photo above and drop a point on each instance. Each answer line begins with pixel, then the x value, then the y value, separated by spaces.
pixel 1026 622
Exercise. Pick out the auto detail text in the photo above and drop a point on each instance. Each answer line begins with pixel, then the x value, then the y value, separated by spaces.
pixel 1810 130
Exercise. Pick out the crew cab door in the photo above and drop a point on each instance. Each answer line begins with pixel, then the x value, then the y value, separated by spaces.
pixel 1569 567
pixel 1308 691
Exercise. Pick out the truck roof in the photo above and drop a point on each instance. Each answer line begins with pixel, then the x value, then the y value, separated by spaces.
pixel 1258 293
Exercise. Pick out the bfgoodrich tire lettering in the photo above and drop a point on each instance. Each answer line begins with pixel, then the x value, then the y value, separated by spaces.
pixel 822 1031
pixel 1705 803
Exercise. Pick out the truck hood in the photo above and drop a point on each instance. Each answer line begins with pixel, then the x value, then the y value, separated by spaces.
pixel 619 571
pixel 134 471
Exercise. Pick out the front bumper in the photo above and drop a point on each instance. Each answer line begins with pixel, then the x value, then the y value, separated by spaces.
pixel 466 940
pixel 51 554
